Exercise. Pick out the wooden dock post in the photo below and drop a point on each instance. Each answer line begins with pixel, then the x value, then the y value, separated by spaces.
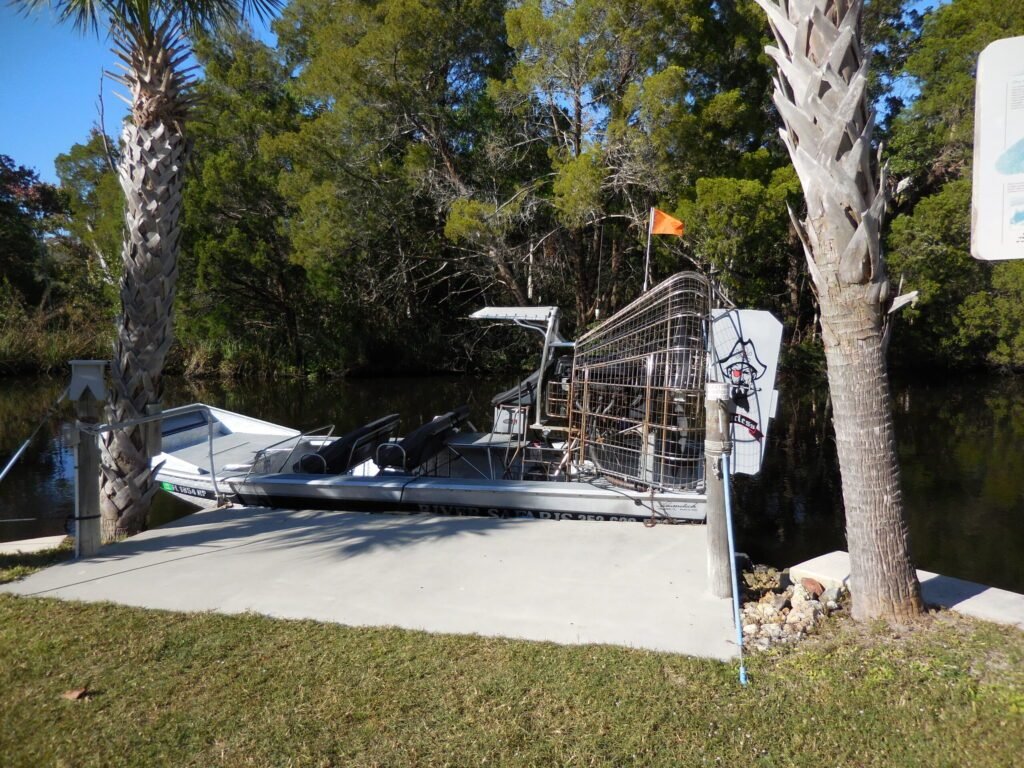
pixel 716 437
pixel 88 391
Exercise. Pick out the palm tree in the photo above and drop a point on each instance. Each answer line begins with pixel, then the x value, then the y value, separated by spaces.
pixel 820 93
pixel 150 39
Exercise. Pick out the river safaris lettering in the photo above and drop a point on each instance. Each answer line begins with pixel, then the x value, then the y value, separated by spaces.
pixel 499 512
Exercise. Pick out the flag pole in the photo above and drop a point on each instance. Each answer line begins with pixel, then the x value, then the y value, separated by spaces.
pixel 647 256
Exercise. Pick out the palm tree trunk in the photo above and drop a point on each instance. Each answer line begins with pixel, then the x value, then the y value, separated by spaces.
pixel 151 174
pixel 820 93
pixel 882 580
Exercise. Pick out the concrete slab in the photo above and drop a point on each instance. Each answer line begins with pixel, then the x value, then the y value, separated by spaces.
pixel 965 597
pixel 27 546
pixel 567 581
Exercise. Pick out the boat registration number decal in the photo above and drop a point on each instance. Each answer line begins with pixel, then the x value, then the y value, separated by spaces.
pixel 184 490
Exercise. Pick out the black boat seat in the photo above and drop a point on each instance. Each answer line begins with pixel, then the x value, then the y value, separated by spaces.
pixel 351 449
pixel 422 443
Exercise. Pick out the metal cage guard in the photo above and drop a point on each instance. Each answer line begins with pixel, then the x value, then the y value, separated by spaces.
pixel 637 393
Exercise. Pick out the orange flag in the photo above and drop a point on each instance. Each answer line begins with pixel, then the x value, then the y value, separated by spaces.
pixel 663 224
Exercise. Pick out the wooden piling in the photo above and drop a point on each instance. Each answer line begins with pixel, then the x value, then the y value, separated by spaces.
pixel 716 443
pixel 87 480
pixel 87 391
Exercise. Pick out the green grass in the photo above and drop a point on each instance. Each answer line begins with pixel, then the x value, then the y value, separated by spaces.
pixel 204 689
pixel 19 565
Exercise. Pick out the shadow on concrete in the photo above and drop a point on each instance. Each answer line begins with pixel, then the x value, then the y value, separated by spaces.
pixel 947 592
pixel 333 535
pixel 351 533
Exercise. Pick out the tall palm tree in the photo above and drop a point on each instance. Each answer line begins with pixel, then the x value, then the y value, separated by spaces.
pixel 820 93
pixel 151 40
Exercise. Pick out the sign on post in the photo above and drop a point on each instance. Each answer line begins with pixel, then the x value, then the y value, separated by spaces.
pixel 997 210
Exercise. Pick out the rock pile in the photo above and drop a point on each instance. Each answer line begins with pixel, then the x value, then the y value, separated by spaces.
pixel 784 612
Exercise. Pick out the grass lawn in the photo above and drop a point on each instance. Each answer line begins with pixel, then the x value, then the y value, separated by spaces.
pixel 204 689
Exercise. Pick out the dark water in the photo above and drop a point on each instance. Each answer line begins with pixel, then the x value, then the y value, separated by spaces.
pixel 961 446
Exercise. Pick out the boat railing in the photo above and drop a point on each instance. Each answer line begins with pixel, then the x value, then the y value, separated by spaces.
pixel 261 454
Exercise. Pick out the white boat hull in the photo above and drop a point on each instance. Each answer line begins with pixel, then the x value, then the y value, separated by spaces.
pixel 575 500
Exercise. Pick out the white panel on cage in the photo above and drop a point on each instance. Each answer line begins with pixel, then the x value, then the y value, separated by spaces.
pixel 745 345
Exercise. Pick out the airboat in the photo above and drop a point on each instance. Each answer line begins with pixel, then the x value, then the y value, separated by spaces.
pixel 609 427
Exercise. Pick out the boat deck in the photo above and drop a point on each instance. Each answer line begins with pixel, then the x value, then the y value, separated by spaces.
pixel 234 448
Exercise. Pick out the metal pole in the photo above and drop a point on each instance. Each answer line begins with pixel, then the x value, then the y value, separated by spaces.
pixel 28 442
pixel 15 457
pixel 717 446
pixel 647 255
pixel 732 571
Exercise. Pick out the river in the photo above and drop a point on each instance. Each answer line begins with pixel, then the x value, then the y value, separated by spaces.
pixel 961 445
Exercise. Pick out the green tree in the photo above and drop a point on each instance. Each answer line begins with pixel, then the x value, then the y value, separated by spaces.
pixel 929 242
pixel 993 320
pixel 26 207
pixel 88 176
pixel 738 230
pixel 633 102
pixel 244 299
pixel 398 128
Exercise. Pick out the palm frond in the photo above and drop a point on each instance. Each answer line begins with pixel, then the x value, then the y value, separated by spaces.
pixel 193 15
pixel 83 15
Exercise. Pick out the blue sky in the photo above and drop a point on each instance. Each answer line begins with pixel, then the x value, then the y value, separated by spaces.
pixel 49 87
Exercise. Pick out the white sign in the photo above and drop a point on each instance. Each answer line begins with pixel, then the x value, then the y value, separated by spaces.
pixel 745 354
pixel 997 210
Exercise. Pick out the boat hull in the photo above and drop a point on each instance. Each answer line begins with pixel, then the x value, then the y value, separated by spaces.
pixel 469 497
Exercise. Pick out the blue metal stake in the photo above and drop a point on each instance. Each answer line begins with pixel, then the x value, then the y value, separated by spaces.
pixel 732 569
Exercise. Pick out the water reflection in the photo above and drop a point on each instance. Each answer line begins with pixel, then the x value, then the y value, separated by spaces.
pixel 41 485
pixel 960 444
pixel 962 447
pixel 790 511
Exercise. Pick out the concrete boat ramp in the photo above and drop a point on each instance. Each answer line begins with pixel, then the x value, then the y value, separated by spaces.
pixel 565 581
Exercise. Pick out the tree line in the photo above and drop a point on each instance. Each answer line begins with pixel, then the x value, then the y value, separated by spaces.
pixel 392 165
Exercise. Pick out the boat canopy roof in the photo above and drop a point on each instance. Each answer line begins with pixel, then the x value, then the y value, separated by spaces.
pixel 529 314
